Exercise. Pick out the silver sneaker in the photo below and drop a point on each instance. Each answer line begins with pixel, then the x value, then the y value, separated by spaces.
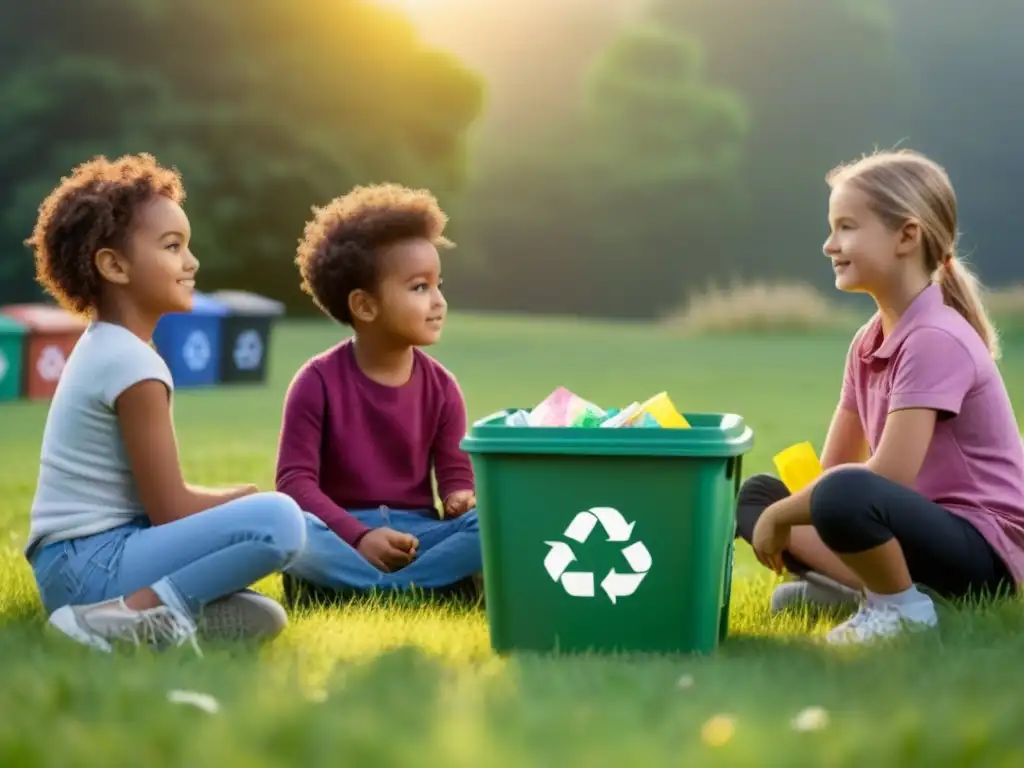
pixel 100 624
pixel 245 615
pixel 813 589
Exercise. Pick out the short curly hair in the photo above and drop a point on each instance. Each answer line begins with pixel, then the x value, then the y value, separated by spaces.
pixel 89 210
pixel 339 251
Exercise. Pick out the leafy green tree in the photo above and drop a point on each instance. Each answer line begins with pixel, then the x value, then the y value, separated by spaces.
pixel 625 204
pixel 266 107
pixel 668 150
pixel 824 83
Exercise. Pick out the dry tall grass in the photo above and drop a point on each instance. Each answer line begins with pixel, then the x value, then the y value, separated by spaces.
pixel 759 307
pixel 1005 302
pixel 764 307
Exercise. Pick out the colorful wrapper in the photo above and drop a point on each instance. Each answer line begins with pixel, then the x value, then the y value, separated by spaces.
pixel 562 408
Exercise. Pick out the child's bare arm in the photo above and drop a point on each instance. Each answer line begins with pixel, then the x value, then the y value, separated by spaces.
pixel 845 442
pixel 144 415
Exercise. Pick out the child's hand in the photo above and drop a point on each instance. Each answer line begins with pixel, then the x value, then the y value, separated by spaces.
pixel 387 549
pixel 769 540
pixel 459 503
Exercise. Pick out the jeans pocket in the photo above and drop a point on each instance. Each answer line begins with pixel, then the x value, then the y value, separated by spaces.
pixel 93 563
pixel 54 576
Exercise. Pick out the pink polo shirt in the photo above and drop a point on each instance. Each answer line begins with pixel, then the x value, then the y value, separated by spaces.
pixel 975 465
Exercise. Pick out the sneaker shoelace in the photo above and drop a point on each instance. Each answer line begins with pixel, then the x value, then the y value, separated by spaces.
pixel 166 626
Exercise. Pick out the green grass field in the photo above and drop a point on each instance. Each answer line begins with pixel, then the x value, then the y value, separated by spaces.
pixel 400 685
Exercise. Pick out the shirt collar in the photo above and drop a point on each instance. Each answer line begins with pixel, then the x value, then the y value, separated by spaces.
pixel 873 347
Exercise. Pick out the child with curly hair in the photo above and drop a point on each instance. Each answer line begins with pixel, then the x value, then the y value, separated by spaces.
pixel 120 546
pixel 365 422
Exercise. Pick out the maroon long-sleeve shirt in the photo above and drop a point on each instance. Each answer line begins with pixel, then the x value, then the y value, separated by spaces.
pixel 348 442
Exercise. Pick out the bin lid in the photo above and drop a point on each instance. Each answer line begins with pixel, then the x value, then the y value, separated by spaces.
pixel 11 327
pixel 44 317
pixel 711 435
pixel 249 303
pixel 205 304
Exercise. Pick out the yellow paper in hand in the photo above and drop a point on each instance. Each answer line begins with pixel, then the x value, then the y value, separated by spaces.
pixel 664 412
pixel 798 466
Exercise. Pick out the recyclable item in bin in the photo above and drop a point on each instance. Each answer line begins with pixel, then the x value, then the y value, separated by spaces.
pixel 562 408
pixel 630 416
pixel 608 540
pixel 591 416
pixel 664 411
pixel 518 418
pixel 798 466
pixel 622 418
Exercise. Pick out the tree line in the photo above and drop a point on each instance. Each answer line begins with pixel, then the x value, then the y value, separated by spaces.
pixel 601 163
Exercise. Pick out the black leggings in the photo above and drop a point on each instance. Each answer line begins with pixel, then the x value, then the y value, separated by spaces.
pixel 854 510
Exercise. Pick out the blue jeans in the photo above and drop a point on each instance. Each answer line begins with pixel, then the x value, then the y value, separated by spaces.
pixel 187 563
pixel 449 551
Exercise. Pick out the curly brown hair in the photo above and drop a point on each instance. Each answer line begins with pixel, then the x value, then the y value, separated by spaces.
pixel 339 251
pixel 89 210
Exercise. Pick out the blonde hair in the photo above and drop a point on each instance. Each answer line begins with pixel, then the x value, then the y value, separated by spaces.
pixel 903 185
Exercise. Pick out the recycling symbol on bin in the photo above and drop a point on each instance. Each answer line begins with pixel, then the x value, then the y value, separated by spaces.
pixel 248 351
pixel 196 351
pixel 50 363
pixel 616 584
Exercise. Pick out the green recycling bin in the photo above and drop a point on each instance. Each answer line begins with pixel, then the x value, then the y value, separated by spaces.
pixel 608 540
pixel 12 354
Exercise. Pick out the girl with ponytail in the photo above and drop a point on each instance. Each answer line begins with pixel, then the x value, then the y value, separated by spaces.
pixel 923 488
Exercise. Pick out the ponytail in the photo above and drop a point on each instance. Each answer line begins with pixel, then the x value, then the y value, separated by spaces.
pixel 962 291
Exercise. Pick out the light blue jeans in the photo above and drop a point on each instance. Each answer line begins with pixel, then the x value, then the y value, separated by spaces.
pixel 187 563
pixel 449 551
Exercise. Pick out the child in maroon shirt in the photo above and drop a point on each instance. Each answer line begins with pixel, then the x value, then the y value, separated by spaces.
pixel 366 421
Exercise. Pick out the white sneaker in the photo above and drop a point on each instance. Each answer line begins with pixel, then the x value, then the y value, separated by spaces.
pixel 876 621
pixel 812 589
pixel 98 624
pixel 245 615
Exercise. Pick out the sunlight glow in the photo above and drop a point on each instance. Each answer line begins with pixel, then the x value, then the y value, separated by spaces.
pixel 419 6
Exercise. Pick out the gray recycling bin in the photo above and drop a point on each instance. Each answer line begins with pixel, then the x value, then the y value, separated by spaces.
pixel 246 333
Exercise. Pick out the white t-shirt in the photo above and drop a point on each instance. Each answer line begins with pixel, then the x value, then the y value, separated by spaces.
pixel 85 481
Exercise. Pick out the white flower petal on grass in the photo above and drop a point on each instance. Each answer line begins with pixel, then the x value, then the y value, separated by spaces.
pixel 810 719
pixel 685 681
pixel 203 701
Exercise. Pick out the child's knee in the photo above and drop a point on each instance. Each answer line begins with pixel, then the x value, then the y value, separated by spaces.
pixel 468 522
pixel 841 507
pixel 283 522
pixel 763 488
pixel 757 493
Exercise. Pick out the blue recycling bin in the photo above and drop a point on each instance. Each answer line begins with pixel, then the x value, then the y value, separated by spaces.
pixel 190 342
